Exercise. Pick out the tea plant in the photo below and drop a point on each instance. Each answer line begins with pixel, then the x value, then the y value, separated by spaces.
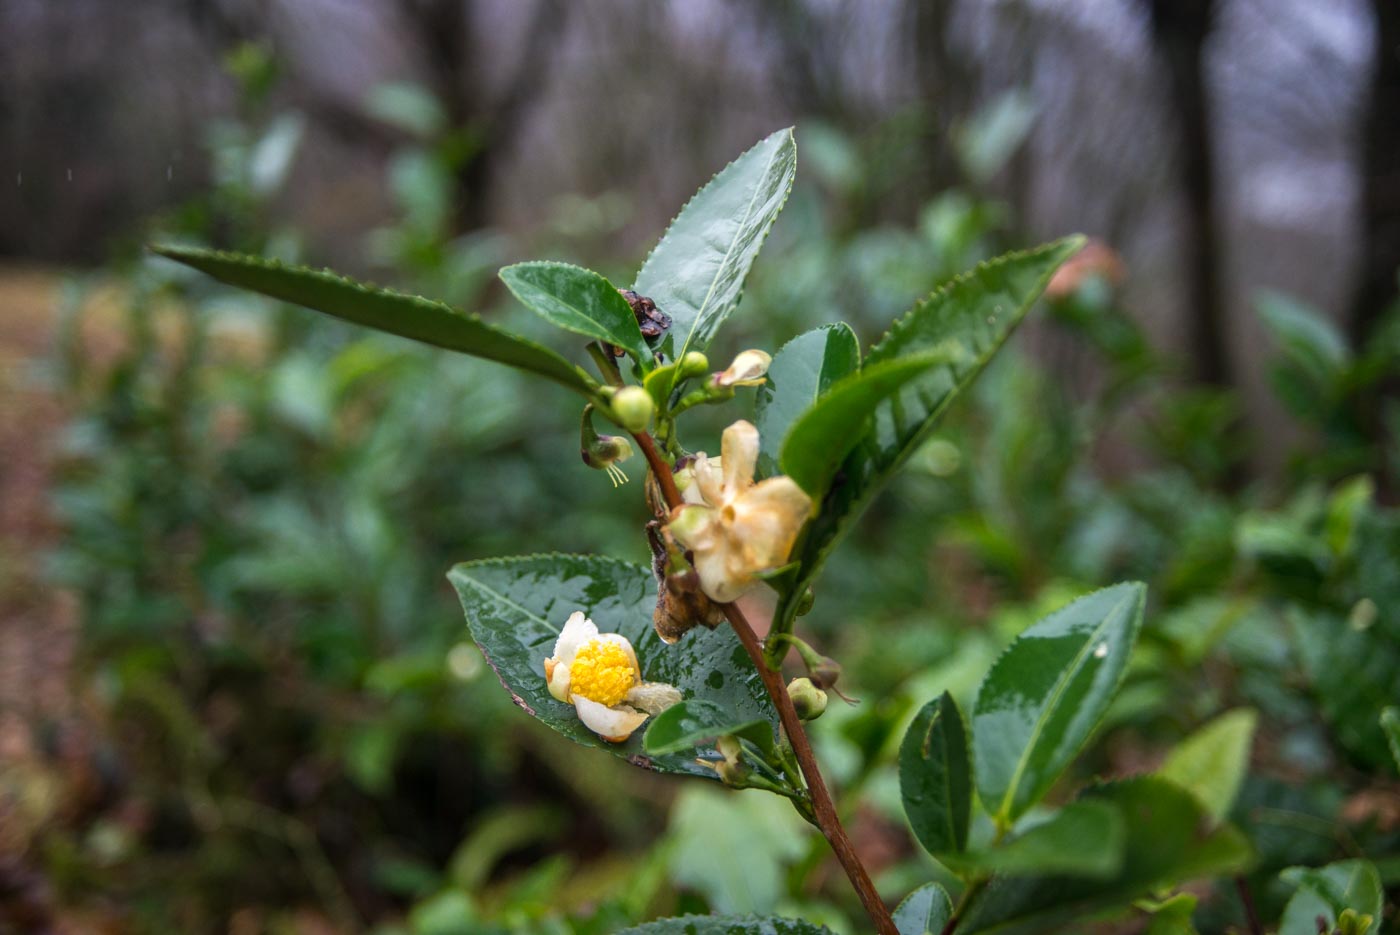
pixel 664 665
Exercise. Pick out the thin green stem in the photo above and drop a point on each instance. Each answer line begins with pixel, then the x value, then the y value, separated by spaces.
pixel 607 364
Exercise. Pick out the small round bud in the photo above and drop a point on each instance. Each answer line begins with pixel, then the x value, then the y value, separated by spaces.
pixel 633 407
pixel 826 672
pixel 693 364
pixel 808 699
pixel 748 369
pixel 805 602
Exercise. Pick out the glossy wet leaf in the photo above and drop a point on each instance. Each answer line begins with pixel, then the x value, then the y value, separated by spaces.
pixel 1083 839
pixel 698 722
pixel 577 300
pixel 1390 724
pixel 935 776
pixel 407 316
pixel 1047 692
pixel 1212 762
pixel 924 911
pixel 696 272
pixel 973 313
pixel 1327 892
pixel 1168 840
pixel 802 370
pixel 728 925
pixel 820 439
pixel 516 606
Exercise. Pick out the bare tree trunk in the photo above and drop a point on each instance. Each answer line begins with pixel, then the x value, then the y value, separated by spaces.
pixel 1380 178
pixel 1179 32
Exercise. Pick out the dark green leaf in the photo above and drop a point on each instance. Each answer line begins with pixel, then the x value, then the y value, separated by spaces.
pixel 1171 916
pixel 935 778
pixel 1083 839
pixel 924 911
pixel 516 606
pixel 404 315
pixel 802 370
pixel 1306 336
pixel 696 272
pixel 1355 672
pixel 1169 840
pixel 1047 692
pixel 1212 762
pixel 820 439
pixel 727 925
pixel 975 312
pixel 734 849
pixel 577 300
pixel 696 723
pixel 1328 891
pixel 1390 724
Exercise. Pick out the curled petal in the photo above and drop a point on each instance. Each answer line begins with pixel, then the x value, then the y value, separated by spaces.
pixel 739 446
pixel 709 479
pixel 558 675
pixel 614 724
pixel 722 578
pixel 653 697
pixel 748 369
pixel 767 518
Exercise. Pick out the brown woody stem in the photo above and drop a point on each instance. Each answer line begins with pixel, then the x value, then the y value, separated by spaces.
pixel 823 808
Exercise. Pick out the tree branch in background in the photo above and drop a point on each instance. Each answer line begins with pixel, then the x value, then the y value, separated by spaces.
pixel 1179 32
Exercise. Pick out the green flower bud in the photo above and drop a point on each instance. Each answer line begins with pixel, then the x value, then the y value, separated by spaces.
pixel 693 364
pixel 633 407
pixel 808 699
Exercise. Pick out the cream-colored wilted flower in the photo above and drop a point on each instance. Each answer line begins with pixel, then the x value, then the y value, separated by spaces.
pixel 748 369
pixel 735 528
pixel 598 673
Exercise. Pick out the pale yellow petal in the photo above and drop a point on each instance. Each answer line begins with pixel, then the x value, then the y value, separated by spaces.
pixel 740 455
pixel 709 479
pixel 720 579
pixel 653 697
pixel 614 724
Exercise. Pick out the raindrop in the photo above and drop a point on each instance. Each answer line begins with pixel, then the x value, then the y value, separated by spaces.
pixel 1101 651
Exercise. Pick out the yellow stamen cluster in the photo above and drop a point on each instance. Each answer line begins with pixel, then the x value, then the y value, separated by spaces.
pixel 602 672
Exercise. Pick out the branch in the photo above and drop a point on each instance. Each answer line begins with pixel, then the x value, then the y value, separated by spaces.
pixel 823 807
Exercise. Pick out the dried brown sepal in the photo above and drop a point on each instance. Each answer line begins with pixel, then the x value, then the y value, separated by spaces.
pixel 650 319
pixel 680 604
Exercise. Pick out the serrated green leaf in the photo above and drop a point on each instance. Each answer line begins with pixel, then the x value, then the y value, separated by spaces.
pixel 1355 672
pixel 578 300
pixel 1212 762
pixel 727 925
pixel 976 312
pixel 1047 692
pixel 1326 892
pixel 1390 724
pixel 698 722
pixel 516 606
pixel 1083 839
pixel 935 777
pixel 802 370
pixel 924 911
pixel 403 315
pixel 820 439
pixel 696 271
pixel 1168 841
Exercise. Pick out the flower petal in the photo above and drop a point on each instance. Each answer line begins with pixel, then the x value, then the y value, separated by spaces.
pixel 748 369
pixel 558 675
pixel 578 630
pixel 654 697
pixel 739 445
pixel 612 724
pixel 721 578
pixel 709 479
